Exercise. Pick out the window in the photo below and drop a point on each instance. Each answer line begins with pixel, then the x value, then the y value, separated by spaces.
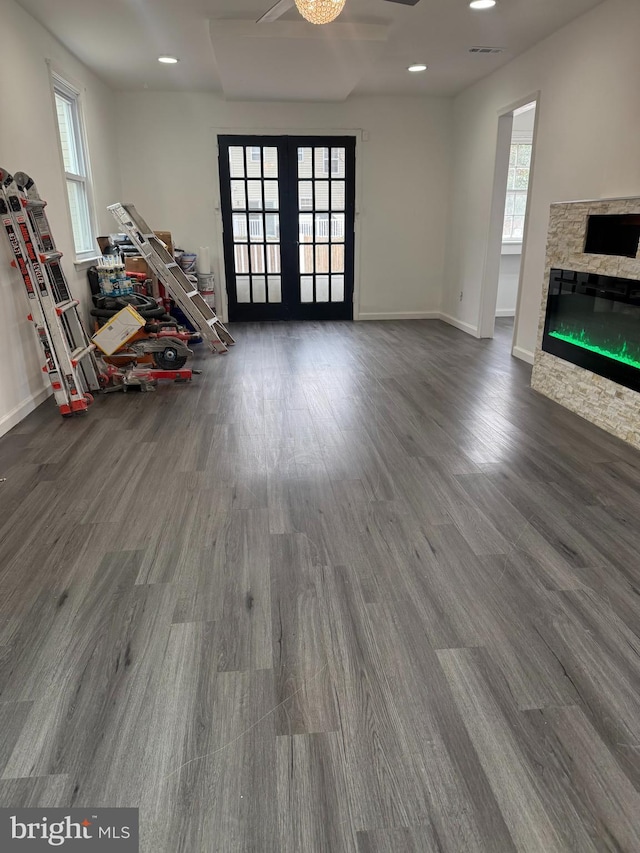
pixel 76 169
pixel 517 188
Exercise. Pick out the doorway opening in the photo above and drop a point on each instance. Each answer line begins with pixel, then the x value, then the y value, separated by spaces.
pixel 288 213
pixel 508 226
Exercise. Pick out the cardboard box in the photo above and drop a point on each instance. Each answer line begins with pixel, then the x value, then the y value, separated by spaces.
pixel 118 330
pixel 135 263
pixel 165 236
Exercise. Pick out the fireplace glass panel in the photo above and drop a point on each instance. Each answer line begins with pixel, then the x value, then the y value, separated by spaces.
pixel 594 321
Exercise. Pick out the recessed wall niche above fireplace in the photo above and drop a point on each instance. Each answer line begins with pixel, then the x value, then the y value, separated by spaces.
pixel 593 321
pixel 587 356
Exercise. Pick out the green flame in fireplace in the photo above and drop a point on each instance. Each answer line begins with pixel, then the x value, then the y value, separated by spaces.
pixel 618 351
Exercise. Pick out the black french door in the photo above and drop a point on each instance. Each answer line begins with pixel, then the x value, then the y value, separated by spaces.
pixel 288 207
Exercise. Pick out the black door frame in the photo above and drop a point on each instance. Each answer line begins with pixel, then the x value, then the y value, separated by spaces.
pixel 290 308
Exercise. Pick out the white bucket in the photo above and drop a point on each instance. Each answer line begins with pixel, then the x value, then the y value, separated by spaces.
pixel 206 283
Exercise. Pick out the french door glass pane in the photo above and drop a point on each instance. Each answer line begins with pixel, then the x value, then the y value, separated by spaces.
pixel 338 163
pixel 275 288
pixel 322 288
pixel 322 195
pixel 322 227
pixel 236 161
pixel 240 227
pixel 322 258
pixel 322 163
pixel 270 156
pixel 271 195
pixel 337 195
pixel 259 288
pixel 272 223
pixel 241 256
pixel 337 258
pixel 273 259
pixel 305 163
pixel 337 227
pixel 238 195
pixel 243 289
pixel 254 192
pixel 306 259
pixel 305 228
pixel 255 228
pixel 257 259
pixel 337 288
pixel 254 162
pixel 305 195
pixel 306 288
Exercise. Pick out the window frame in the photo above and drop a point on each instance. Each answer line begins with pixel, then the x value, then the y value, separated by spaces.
pixel 515 193
pixel 62 87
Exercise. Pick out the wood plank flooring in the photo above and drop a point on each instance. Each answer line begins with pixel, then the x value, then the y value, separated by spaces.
pixel 355 588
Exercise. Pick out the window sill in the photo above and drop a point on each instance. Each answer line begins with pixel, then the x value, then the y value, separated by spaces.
pixel 86 263
pixel 511 249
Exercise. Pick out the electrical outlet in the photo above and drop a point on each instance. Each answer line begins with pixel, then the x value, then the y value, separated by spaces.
pixel 461 295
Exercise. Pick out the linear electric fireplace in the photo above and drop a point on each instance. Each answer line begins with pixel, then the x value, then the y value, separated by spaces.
pixel 593 321
pixel 587 353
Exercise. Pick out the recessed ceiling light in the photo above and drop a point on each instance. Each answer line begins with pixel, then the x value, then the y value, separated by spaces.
pixel 168 60
pixel 482 4
pixel 419 66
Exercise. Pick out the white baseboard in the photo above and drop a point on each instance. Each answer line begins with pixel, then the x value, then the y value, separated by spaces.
pixel 464 327
pixel 523 354
pixel 401 315
pixel 506 312
pixel 21 411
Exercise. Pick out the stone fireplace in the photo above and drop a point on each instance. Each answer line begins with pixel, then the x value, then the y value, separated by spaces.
pixel 588 352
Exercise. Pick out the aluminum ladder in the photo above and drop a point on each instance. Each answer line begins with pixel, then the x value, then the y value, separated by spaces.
pixel 70 362
pixel 172 277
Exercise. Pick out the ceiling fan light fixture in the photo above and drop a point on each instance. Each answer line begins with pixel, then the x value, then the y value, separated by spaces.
pixel 482 4
pixel 417 67
pixel 168 60
pixel 320 11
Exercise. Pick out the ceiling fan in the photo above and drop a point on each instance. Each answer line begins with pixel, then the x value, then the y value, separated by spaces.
pixel 283 6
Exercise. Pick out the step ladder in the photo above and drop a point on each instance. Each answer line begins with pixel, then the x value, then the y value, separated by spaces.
pixel 70 362
pixel 184 292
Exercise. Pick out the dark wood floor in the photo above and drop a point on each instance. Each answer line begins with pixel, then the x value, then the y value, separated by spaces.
pixel 356 588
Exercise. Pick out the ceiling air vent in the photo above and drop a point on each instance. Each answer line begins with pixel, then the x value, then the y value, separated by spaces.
pixel 486 50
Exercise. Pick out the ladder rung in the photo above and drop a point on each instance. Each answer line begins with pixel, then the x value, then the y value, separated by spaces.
pixel 49 257
pixel 192 293
pixel 78 354
pixel 171 265
pixel 35 203
pixel 65 306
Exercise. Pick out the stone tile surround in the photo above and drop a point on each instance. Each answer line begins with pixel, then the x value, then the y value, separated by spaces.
pixel 610 406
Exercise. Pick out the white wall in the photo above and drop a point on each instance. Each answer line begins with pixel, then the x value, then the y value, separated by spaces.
pixel 28 142
pixel 508 284
pixel 588 75
pixel 169 170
